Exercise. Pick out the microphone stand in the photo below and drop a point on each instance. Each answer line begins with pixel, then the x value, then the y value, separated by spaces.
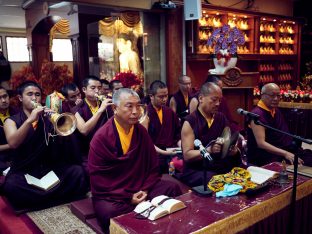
pixel 202 190
pixel 297 141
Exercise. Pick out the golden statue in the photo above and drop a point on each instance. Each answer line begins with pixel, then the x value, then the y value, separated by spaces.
pixel 128 59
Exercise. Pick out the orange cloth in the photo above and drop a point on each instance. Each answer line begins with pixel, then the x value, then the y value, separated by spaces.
pixel 186 99
pixel 263 106
pixel 34 124
pixel 160 115
pixel 93 109
pixel 125 138
pixel 3 117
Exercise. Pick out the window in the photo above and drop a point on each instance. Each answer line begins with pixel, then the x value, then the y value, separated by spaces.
pixel 62 50
pixel 17 49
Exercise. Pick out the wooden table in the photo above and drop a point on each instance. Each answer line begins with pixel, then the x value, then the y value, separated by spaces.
pixel 229 215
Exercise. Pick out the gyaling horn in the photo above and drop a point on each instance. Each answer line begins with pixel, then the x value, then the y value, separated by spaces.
pixel 64 124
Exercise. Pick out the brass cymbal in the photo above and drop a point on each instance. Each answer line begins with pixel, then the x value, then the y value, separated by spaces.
pixel 229 140
pixel 226 135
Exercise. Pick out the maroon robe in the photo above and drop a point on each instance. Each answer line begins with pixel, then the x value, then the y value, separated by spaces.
pixel 5 156
pixel 115 176
pixel 84 141
pixel 36 158
pixel 261 157
pixel 182 108
pixel 66 107
pixel 164 135
pixel 224 108
pixel 192 172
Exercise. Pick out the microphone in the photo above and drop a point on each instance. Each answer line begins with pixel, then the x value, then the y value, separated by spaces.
pixel 248 114
pixel 204 153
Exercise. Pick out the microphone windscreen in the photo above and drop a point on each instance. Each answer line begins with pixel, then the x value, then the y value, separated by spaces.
pixel 240 110
pixel 197 143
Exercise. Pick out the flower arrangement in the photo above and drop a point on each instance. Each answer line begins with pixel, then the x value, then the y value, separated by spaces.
pixel 53 76
pixel 307 78
pixel 225 41
pixel 296 95
pixel 128 79
pixel 289 95
pixel 256 92
pixel 18 77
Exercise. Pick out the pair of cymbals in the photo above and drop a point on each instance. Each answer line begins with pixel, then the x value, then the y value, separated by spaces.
pixel 228 141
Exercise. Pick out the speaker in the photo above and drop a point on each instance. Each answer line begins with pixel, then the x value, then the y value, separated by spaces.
pixel 192 9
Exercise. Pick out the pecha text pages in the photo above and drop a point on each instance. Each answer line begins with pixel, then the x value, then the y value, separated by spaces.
pixel 261 175
pixel 158 207
pixel 46 182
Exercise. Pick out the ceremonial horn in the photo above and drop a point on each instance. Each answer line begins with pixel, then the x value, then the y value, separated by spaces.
pixel 100 97
pixel 64 124
pixel 143 112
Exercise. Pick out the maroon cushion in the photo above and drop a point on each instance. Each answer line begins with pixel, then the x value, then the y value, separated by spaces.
pixel 184 188
pixel 93 223
pixel 83 209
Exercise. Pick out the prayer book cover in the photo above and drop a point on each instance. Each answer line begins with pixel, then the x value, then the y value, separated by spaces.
pixel 302 170
pixel 178 150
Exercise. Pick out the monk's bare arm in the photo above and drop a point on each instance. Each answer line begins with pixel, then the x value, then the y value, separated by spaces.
pixel 193 105
pixel 14 136
pixel 187 140
pixel 173 105
pixel 259 133
pixel 86 127
pixel 168 152
pixel 4 147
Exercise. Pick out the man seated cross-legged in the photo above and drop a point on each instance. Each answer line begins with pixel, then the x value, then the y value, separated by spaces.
pixel 123 164
pixel 206 124
pixel 266 145
pixel 36 152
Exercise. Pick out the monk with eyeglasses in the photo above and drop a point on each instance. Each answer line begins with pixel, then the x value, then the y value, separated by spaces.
pixel 265 145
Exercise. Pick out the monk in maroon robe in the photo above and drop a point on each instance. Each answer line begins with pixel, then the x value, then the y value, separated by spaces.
pixel 223 107
pixel 91 115
pixel 72 96
pixel 36 153
pixel 265 145
pixel 179 101
pixel 206 124
pixel 123 164
pixel 162 124
pixel 5 111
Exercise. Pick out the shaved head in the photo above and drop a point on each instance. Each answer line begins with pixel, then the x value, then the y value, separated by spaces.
pixel 269 87
pixel 208 88
pixel 270 95
pixel 183 78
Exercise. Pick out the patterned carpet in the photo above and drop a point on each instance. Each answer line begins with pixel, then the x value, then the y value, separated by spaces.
pixel 57 220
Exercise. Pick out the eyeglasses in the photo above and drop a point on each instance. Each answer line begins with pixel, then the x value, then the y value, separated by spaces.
pixel 274 95
pixel 185 83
